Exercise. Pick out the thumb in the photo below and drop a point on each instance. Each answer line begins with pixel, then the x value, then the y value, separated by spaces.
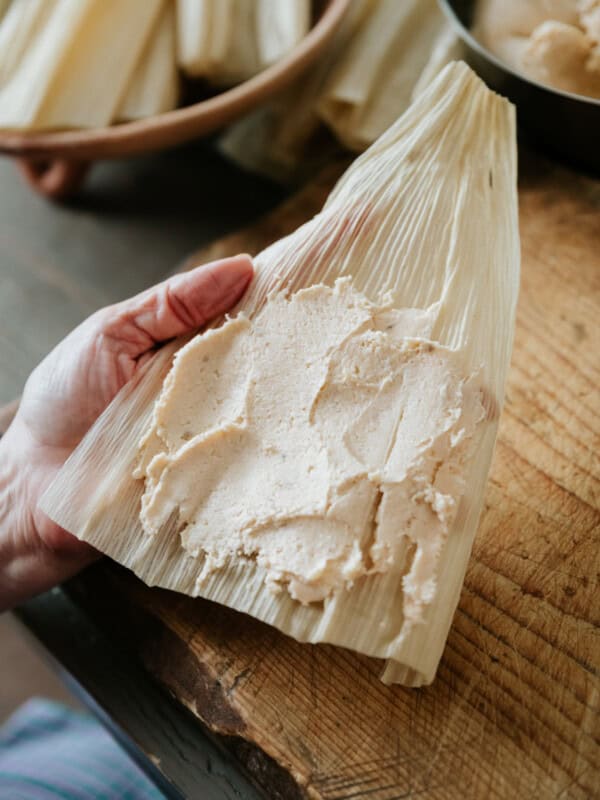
pixel 180 304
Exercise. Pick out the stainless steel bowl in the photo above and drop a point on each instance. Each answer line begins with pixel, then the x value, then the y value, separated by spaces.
pixel 563 124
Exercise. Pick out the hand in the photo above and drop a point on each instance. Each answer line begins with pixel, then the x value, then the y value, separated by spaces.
pixel 67 392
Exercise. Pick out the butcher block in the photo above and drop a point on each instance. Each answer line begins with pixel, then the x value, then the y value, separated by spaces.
pixel 515 709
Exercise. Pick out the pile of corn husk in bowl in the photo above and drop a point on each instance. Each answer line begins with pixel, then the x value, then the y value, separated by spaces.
pixel 81 64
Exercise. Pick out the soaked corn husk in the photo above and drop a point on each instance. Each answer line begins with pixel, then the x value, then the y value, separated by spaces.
pixel 228 41
pixel 68 62
pixel 154 86
pixel 447 47
pixel 280 26
pixel 428 213
pixel 372 83
pixel 19 26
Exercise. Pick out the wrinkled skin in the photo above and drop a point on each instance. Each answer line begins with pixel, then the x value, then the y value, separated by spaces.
pixel 63 397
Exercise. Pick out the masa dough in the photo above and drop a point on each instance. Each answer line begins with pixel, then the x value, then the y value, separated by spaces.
pixel 555 42
pixel 326 438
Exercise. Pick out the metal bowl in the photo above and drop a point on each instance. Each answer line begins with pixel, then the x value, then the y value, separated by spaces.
pixel 563 124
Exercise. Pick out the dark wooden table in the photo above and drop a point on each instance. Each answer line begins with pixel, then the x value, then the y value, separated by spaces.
pixel 133 222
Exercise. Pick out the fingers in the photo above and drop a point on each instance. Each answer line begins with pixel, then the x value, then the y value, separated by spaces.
pixel 196 297
pixel 179 305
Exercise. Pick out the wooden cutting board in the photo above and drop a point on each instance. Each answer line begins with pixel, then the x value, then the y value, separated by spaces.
pixel 515 709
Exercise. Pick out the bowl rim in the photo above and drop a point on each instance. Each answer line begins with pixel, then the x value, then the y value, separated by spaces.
pixel 181 124
pixel 464 32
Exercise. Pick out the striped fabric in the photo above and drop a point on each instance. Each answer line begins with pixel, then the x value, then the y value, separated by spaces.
pixel 48 751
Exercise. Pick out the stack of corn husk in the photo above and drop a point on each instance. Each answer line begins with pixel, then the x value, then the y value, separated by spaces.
pixel 428 214
pixel 228 41
pixel 90 63
pixel 84 63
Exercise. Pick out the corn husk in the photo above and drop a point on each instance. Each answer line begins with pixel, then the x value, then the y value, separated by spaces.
pixel 241 59
pixel 297 116
pixel 18 29
pixel 154 86
pixel 373 82
pixel 30 78
pixel 280 26
pixel 428 213
pixel 447 47
pixel 193 34
pixel 204 34
pixel 217 40
pixel 76 69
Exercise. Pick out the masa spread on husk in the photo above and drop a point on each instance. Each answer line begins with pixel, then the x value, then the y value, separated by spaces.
pixel 326 438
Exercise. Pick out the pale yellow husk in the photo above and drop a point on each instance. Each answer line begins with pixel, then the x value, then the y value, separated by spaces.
pixel 154 86
pixel 204 34
pixel 18 29
pixel 280 26
pixel 45 34
pixel 218 39
pixel 447 47
pixel 373 81
pixel 428 213
pixel 76 66
pixel 241 58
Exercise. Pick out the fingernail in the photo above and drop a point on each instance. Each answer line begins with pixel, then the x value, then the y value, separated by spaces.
pixel 242 263
pixel 235 274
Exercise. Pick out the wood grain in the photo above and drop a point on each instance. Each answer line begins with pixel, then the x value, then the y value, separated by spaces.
pixel 515 709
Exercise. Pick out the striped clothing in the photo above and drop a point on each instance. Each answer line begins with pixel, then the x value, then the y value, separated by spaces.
pixel 48 752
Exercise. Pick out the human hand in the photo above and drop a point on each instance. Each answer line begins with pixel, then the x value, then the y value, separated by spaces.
pixel 64 396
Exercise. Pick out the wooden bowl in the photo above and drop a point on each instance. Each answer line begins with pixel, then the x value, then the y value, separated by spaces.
pixel 55 163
